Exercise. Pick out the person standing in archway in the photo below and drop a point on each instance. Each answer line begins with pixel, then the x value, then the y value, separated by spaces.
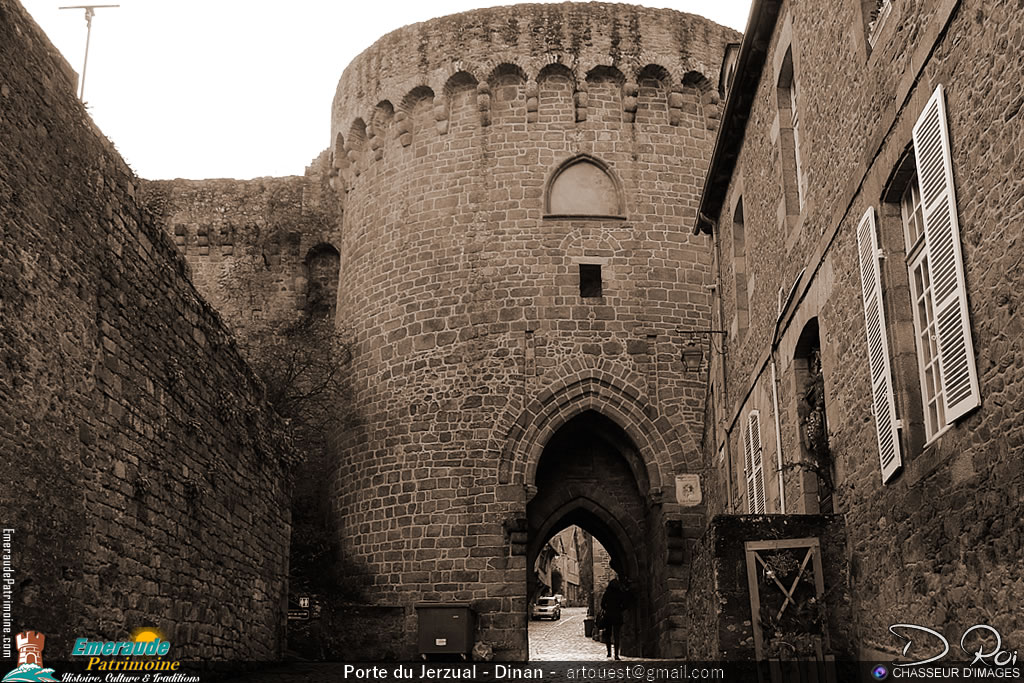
pixel 614 602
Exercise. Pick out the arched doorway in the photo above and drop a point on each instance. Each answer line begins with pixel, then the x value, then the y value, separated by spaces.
pixel 591 475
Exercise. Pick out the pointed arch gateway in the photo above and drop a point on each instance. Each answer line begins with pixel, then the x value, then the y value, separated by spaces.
pixel 587 476
pixel 617 394
pixel 589 455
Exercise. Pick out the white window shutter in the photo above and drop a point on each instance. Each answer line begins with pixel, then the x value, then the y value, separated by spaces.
pixel 755 475
pixel 878 347
pixel 748 470
pixel 961 392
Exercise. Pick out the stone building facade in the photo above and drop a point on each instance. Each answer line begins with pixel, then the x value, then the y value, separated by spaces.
pixel 861 201
pixel 143 473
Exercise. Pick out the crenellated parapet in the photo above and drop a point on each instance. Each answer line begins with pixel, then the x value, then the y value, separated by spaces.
pixel 513 65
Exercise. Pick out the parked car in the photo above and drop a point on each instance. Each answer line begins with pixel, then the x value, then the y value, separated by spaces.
pixel 546 607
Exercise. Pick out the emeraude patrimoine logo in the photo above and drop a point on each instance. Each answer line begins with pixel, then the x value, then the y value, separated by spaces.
pixel 111 655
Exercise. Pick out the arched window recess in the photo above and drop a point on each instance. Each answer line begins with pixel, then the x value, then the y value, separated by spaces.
pixel 584 187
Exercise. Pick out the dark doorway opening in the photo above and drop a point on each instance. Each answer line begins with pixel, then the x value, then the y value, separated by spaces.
pixel 816 457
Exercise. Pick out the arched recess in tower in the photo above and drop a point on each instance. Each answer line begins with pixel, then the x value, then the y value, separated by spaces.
pixel 583 186
pixel 592 475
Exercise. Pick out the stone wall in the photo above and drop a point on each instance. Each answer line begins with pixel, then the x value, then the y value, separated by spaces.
pixel 252 245
pixel 473 341
pixel 936 545
pixel 143 473
pixel 351 632
pixel 703 610
pixel 261 252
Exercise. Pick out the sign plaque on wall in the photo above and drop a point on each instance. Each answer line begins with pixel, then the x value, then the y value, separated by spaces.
pixel 688 489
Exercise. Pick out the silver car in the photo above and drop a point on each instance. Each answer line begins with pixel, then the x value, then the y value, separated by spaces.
pixel 546 607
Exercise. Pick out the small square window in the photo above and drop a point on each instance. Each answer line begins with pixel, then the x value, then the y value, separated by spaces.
pixel 590 280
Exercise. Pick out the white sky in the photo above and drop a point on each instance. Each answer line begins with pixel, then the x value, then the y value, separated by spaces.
pixel 238 88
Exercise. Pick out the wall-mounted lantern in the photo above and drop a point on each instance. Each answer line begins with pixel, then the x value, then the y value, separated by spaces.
pixel 694 342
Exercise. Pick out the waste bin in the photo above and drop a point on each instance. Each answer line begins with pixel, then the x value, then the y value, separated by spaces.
pixel 445 628
pixel 588 627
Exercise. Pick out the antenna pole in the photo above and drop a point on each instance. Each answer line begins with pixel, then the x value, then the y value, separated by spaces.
pixel 90 12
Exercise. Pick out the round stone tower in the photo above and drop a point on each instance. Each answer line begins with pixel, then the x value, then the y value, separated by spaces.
pixel 516 265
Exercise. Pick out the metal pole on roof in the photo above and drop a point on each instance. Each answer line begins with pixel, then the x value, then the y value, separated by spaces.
pixel 90 12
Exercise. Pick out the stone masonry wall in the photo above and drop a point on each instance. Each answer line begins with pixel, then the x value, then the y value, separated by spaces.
pixel 143 472
pixel 703 610
pixel 248 242
pixel 939 544
pixel 470 328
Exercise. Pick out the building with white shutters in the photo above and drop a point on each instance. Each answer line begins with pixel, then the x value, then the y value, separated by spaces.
pixel 864 202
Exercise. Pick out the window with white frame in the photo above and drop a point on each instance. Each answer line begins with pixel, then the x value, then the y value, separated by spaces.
pixel 875 14
pixel 801 187
pixel 945 266
pixel 947 375
pixel 739 269
pixel 925 334
pixel 887 425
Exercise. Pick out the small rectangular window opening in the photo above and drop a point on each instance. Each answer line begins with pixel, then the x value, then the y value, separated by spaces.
pixel 590 280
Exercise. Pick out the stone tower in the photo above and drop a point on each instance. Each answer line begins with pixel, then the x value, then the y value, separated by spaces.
pixel 516 265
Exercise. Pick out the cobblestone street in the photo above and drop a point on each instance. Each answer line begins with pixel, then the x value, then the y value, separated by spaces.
pixel 563 640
